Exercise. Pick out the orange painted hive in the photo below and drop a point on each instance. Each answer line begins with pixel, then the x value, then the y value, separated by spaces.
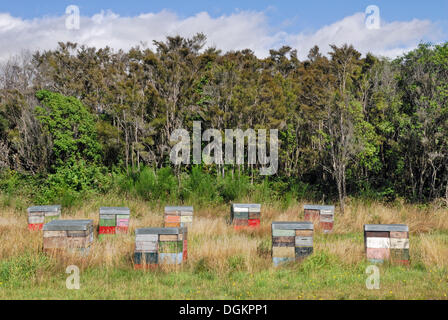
pixel 178 217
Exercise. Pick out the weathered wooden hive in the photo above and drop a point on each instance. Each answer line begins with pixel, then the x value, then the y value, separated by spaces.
pixel 113 220
pixel 68 236
pixel 244 216
pixel 387 242
pixel 178 217
pixel 157 246
pixel 291 241
pixel 39 215
pixel 323 214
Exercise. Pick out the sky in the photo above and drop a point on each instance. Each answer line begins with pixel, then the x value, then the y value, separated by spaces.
pixel 229 25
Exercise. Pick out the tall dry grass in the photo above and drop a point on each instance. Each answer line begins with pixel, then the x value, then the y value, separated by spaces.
pixel 418 220
pixel 216 246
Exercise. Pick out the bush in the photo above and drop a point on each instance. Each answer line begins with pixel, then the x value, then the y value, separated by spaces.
pixel 234 188
pixel 149 184
pixel 199 187
pixel 263 193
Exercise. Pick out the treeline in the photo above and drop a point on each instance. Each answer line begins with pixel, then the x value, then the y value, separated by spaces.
pixel 348 125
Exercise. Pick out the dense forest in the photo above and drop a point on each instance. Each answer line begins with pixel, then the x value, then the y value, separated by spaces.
pixel 75 118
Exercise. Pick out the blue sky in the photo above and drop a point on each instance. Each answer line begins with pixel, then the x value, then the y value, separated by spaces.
pixel 229 25
pixel 298 14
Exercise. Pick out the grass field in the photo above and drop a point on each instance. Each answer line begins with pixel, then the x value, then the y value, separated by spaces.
pixel 226 264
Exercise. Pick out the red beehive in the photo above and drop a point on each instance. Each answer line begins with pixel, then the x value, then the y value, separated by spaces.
pixel 323 214
pixel 244 216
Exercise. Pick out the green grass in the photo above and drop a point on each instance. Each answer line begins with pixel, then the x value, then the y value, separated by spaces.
pixel 321 276
pixel 324 283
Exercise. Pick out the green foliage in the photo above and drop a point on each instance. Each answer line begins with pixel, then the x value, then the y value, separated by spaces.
pixel 71 127
pixel 199 187
pixel 234 188
pixel 76 153
pixel 263 193
pixel 149 184
pixel 348 124
pixel 202 189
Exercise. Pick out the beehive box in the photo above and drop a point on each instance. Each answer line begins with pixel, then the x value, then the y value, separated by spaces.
pixel 387 242
pixel 39 215
pixel 178 217
pixel 323 214
pixel 157 246
pixel 291 241
pixel 68 236
pixel 113 220
pixel 244 216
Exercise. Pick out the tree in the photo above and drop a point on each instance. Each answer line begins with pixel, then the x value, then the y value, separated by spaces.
pixel 343 116
pixel 424 124
pixel 75 153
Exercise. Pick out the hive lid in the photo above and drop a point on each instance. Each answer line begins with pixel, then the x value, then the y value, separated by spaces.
pixel 386 227
pixel 160 231
pixel 317 207
pixel 115 210
pixel 52 208
pixel 246 207
pixel 292 225
pixel 68 225
pixel 178 208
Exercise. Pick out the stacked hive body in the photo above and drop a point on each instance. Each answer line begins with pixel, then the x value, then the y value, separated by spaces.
pixel 113 220
pixel 178 217
pixel 156 246
pixel 68 236
pixel 323 214
pixel 39 215
pixel 387 242
pixel 291 241
pixel 245 215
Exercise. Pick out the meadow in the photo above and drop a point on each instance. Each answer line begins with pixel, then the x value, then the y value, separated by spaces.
pixel 228 264
pixel 87 127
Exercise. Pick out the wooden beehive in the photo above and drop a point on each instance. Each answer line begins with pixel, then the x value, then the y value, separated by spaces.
pixel 387 242
pixel 244 216
pixel 68 236
pixel 178 217
pixel 39 215
pixel 113 220
pixel 323 214
pixel 156 246
pixel 291 241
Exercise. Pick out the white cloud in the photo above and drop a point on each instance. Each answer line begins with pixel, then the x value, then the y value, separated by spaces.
pixel 241 30
pixel 391 40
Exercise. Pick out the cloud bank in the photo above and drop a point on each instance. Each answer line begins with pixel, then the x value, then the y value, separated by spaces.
pixel 241 30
